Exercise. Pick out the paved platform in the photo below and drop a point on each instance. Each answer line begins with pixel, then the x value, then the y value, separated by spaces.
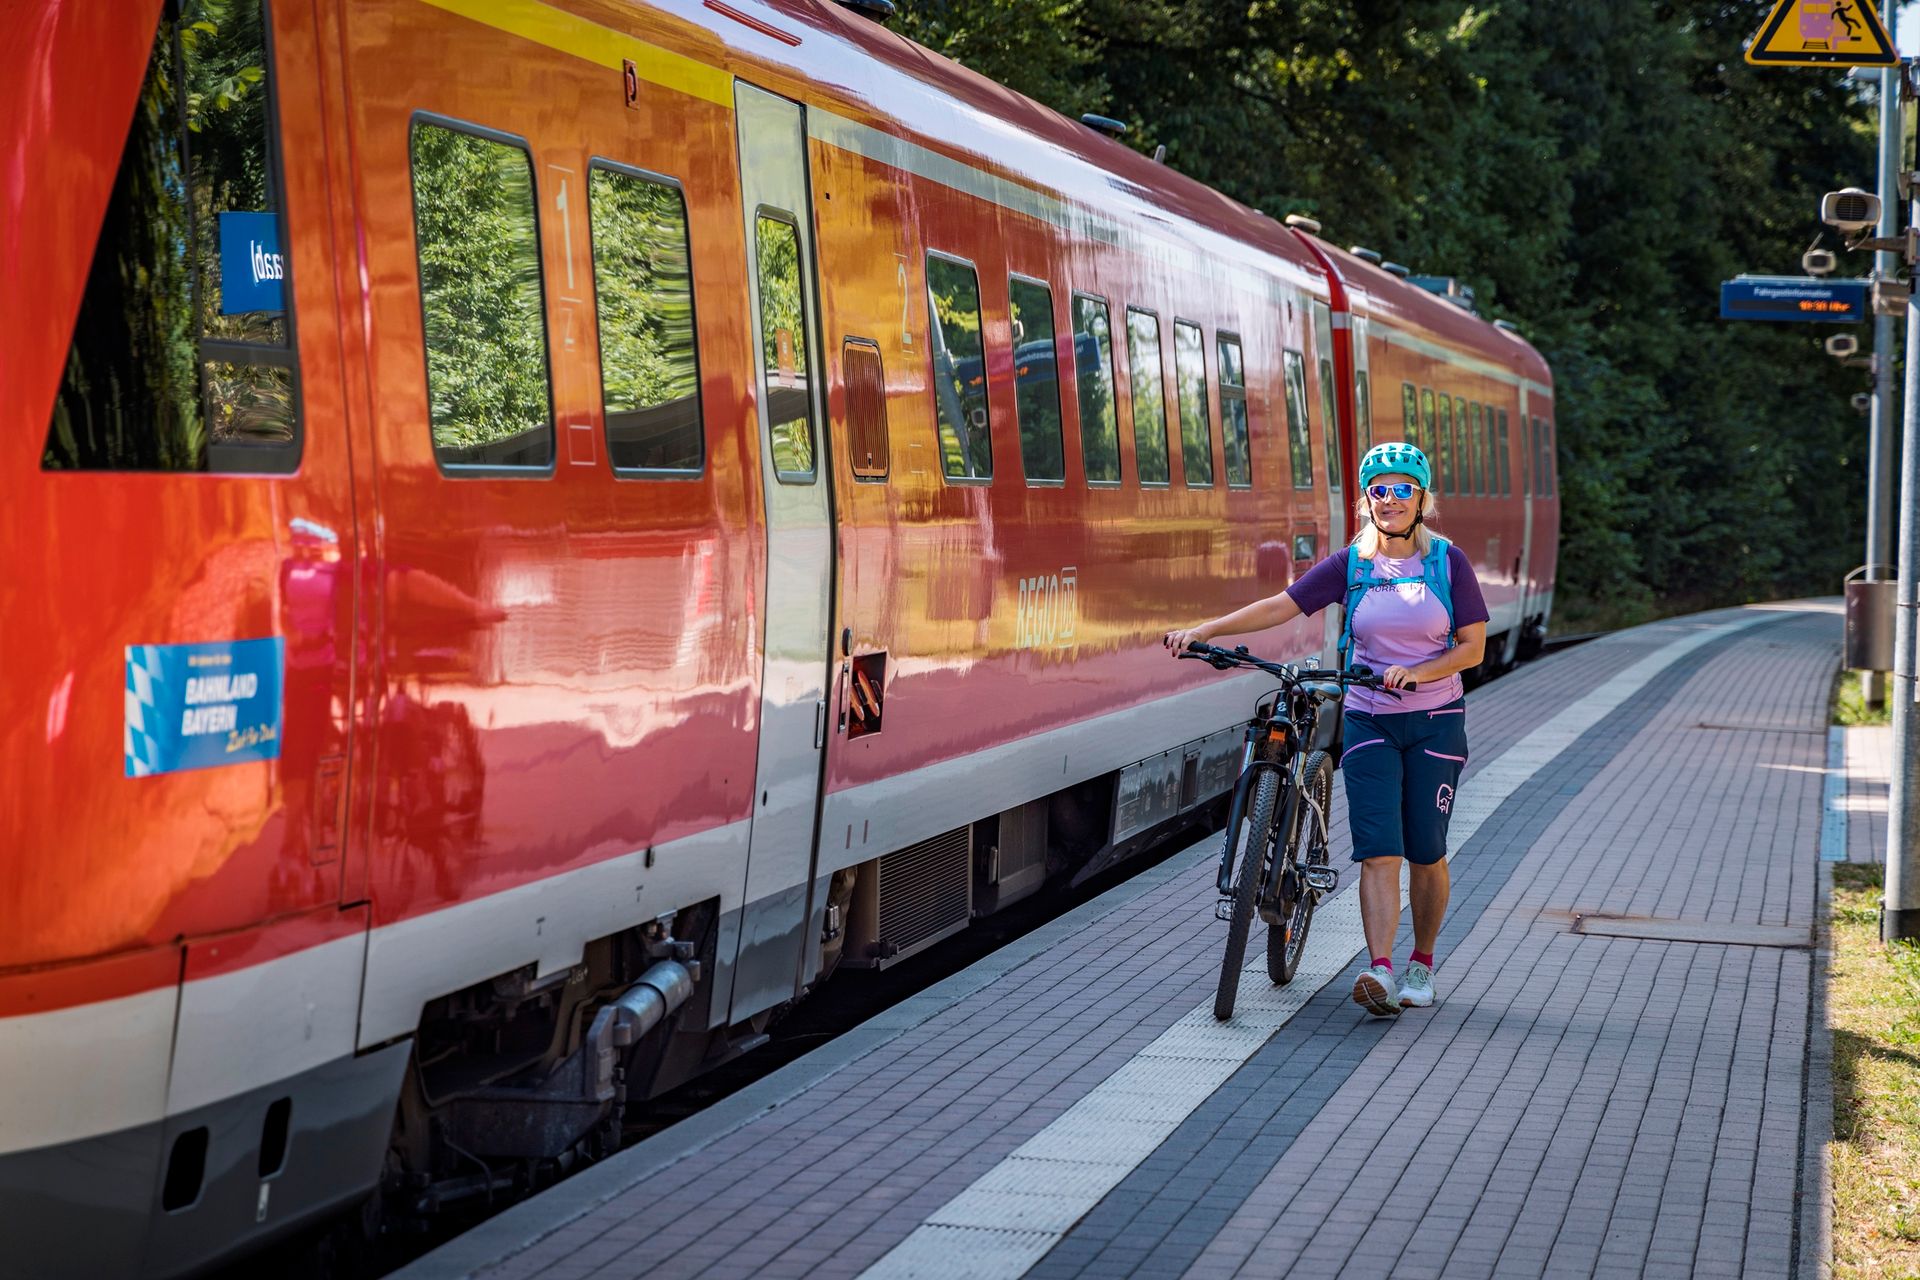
pixel 1582 1101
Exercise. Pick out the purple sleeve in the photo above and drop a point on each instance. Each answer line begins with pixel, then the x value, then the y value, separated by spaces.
pixel 1469 606
pixel 1325 584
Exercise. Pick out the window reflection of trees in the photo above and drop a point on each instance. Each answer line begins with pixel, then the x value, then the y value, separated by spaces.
pixel 1093 359
pixel 1149 398
pixel 1300 448
pixel 1036 380
pixel 783 338
pixel 1196 435
pixel 1233 413
pixel 959 371
pixel 486 332
pixel 157 377
pixel 1330 419
pixel 643 290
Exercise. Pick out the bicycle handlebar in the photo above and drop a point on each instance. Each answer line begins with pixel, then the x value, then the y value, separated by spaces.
pixel 1358 674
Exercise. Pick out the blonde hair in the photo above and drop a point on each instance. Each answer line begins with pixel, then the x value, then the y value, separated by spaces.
pixel 1368 539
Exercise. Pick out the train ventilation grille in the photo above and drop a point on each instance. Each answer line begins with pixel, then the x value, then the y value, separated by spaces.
pixel 926 893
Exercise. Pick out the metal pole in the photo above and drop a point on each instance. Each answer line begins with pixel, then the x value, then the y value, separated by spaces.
pixel 1885 267
pixel 1900 910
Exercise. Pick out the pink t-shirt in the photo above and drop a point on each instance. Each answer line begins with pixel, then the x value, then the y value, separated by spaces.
pixel 1396 626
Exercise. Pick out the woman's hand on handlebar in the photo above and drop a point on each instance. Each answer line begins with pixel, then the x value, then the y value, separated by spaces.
pixel 1397 678
pixel 1177 641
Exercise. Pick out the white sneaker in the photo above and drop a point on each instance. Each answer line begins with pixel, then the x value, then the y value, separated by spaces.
pixel 1416 989
pixel 1375 991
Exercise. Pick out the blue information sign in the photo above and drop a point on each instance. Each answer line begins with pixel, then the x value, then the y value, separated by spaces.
pixel 193 706
pixel 1795 298
pixel 251 265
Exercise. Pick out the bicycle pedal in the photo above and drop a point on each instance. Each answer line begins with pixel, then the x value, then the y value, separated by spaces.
pixel 1322 879
pixel 1223 909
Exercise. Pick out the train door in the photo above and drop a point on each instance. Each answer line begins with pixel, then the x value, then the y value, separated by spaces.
pixel 794 474
pixel 1322 340
pixel 1523 572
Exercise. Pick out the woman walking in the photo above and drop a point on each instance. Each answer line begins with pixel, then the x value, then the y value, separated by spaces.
pixel 1416 616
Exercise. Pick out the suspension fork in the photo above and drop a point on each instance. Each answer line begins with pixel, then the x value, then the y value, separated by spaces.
pixel 1250 768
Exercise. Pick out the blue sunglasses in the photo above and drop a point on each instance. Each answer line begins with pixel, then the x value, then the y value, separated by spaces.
pixel 1402 491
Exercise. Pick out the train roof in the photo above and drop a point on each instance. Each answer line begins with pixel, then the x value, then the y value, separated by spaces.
pixel 1379 294
pixel 901 87
pixel 1018 138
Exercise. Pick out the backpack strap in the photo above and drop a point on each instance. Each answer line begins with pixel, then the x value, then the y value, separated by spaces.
pixel 1436 570
pixel 1359 574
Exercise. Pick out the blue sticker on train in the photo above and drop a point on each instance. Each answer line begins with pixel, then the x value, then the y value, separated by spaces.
pixel 194 706
pixel 251 265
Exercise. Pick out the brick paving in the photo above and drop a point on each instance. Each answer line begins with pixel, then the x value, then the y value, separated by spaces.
pixel 1576 1105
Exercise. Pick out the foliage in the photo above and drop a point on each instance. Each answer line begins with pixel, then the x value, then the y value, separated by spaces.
pixel 1592 169
pixel 1850 702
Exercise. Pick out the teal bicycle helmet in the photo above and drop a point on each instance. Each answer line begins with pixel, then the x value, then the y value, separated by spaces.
pixel 1396 456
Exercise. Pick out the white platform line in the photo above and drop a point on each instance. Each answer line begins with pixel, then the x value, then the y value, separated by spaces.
pixel 1833 799
pixel 1012 1215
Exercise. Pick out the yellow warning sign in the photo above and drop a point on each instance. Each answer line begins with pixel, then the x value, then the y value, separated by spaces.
pixel 1822 33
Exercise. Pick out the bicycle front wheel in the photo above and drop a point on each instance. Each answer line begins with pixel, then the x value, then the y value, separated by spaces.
pixel 1255 836
pixel 1306 846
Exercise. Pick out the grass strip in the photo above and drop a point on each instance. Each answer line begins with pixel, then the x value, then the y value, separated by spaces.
pixel 1874 1007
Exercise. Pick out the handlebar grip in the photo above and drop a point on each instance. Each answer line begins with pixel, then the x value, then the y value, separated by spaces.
pixel 1411 685
pixel 1198 646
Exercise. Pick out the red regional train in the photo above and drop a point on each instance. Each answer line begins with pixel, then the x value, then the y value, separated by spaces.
pixel 585 517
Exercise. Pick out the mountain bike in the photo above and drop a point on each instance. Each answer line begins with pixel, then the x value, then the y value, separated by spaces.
pixel 1277 821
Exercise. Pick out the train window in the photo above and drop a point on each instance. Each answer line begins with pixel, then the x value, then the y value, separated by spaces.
pixel 1093 372
pixel 786 386
pixel 1233 412
pixel 1299 443
pixel 866 408
pixel 1551 459
pixel 959 369
pixel 1196 430
pixel 1429 424
pixel 1410 412
pixel 479 252
pixel 1474 472
pixel 1502 465
pixel 1533 439
pixel 1149 398
pixel 182 357
pixel 1332 419
pixel 1036 380
pixel 1462 453
pixel 643 299
pixel 1362 410
pixel 1445 460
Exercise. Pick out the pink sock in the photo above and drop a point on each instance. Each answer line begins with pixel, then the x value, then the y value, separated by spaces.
pixel 1383 962
pixel 1423 957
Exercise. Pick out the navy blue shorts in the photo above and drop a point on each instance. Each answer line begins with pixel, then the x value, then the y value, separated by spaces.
pixel 1402 770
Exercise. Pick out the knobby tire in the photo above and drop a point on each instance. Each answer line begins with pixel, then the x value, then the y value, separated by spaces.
pixel 1258 832
pixel 1306 845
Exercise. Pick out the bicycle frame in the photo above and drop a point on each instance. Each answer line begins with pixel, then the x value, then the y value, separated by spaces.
pixel 1261 731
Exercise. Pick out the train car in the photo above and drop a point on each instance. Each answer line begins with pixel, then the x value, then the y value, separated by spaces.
pixel 585 518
